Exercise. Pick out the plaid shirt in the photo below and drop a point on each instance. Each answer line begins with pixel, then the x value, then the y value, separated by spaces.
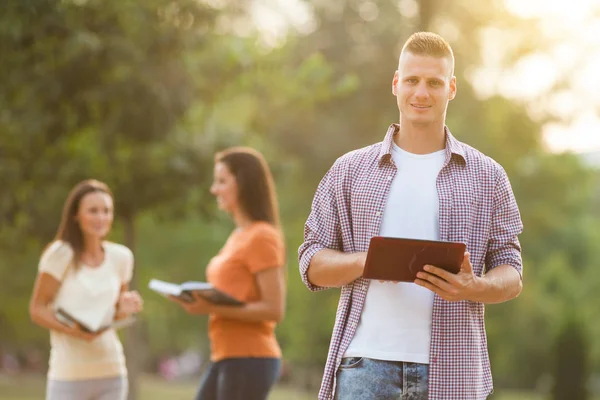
pixel 477 207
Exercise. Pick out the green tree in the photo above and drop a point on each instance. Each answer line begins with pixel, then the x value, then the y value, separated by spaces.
pixel 92 89
pixel 139 95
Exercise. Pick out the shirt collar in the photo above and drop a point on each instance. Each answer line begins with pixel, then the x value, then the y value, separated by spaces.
pixel 453 146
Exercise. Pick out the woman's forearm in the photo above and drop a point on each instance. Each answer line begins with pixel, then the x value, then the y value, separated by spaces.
pixel 119 314
pixel 44 317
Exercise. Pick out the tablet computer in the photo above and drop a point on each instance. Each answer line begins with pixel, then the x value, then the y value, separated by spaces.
pixel 396 259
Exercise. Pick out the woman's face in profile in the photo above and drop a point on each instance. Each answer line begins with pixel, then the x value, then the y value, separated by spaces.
pixel 224 188
pixel 95 214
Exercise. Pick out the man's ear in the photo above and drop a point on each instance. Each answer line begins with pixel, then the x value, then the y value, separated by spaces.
pixel 452 93
pixel 395 83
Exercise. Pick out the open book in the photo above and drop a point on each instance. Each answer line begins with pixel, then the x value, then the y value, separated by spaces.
pixel 67 319
pixel 186 290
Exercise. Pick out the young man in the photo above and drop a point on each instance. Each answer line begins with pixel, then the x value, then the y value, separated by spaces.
pixel 421 340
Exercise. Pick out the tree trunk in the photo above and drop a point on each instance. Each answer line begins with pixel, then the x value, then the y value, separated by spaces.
pixel 133 337
pixel 426 11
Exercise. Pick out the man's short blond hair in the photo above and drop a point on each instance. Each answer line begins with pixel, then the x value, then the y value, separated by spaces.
pixel 428 44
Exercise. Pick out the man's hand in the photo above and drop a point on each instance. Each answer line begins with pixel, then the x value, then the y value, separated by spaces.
pixel 198 307
pixel 452 287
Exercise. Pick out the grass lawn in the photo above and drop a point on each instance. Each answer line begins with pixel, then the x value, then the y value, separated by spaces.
pixel 152 388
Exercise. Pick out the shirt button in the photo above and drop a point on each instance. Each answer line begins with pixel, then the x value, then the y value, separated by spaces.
pixel 389 178
pixel 378 213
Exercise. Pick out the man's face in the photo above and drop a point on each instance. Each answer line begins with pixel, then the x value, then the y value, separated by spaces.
pixel 423 85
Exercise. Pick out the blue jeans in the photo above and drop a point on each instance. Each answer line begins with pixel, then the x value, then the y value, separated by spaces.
pixel 239 379
pixel 361 378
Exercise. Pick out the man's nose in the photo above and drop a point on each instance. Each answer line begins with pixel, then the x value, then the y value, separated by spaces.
pixel 421 91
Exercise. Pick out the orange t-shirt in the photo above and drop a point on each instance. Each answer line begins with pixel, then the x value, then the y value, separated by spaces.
pixel 246 253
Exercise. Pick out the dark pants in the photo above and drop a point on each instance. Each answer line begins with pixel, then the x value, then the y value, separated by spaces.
pixel 239 379
pixel 361 378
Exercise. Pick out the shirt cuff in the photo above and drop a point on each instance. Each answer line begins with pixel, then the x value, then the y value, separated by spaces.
pixel 304 264
pixel 516 263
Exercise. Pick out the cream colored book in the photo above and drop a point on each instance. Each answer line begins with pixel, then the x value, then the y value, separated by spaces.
pixel 67 319
pixel 186 291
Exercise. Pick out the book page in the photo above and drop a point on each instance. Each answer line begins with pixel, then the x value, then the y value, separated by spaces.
pixel 196 286
pixel 164 288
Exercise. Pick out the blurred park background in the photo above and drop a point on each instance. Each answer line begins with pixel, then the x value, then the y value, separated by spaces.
pixel 140 94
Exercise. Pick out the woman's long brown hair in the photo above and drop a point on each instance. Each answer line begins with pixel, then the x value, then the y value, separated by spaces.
pixel 69 230
pixel 256 189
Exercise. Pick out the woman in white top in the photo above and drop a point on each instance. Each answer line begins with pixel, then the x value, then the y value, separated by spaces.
pixel 88 277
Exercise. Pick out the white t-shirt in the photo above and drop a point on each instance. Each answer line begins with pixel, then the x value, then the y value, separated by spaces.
pixel 395 323
pixel 98 288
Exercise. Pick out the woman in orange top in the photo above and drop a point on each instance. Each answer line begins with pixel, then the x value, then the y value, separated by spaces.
pixel 245 355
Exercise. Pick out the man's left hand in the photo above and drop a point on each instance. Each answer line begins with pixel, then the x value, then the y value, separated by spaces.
pixel 464 285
